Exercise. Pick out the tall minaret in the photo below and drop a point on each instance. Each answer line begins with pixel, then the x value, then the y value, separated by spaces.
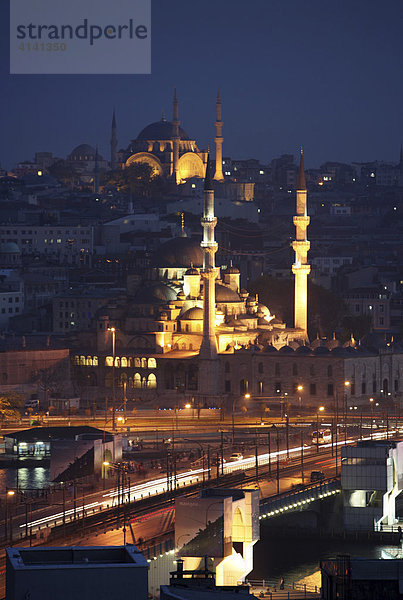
pixel 175 138
pixel 218 175
pixel 114 144
pixel 301 246
pixel 96 171
pixel 208 348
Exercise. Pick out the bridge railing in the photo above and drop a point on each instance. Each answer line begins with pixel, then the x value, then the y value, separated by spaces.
pixel 273 585
pixel 298 499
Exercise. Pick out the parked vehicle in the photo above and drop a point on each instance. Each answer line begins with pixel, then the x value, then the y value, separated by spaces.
pixel 322 436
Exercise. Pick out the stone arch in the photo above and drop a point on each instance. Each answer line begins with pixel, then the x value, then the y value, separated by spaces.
pixel 148 159
pixel 190 165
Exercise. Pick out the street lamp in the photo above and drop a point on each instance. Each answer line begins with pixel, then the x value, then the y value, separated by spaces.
pixel 299 390
pixel 9 494
pixel 113 330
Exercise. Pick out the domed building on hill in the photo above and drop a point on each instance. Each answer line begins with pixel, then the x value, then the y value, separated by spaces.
pixel 168 149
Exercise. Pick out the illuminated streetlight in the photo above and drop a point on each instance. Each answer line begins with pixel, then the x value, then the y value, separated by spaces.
pixel 247 396
pixel 321 408
pixel 188 405
pixel 113 330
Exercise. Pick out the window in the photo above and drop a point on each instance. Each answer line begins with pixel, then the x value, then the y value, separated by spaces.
pixel 374 386
pixel 260 387
pixel 137 380
pixel 352 389
pixel 243 386
pixel 109 361
pixel 330 389
pixel 312 370
pixel 152 363
pixel 227 386
pixel 260 367
pixel 363 388
pixel 312 389
pixel 396 385
pixel 295 369
pixel 277 368
pixel 330 371
pixel 152 381
pixel 227 367
pixel 123 361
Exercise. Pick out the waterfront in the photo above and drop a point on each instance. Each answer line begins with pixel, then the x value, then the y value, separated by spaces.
pixel 296 559
pixel 23 478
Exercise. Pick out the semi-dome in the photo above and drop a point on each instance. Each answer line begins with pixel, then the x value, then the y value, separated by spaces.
pixel 161 130
pixel 286 350
pixel 179 252
pixel 9 248
pixel 305 350
pixel 193 314
pixel 225 294
pixel 155 292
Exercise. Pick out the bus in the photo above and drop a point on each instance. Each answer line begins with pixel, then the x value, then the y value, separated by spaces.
pixel 321 436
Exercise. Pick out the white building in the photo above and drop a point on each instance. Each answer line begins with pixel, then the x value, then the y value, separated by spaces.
pixel 371 480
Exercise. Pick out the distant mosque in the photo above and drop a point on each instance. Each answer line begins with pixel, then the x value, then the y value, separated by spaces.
pixel 164 145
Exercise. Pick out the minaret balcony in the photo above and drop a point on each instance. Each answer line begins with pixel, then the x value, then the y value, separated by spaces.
pixel 297 268
pixel 301 220
pixel 209 221
pixel 301 246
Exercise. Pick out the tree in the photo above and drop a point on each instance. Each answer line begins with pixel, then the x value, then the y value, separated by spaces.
pixel 64 172
pixel 10 405
pixel 326 310
pixel 139 179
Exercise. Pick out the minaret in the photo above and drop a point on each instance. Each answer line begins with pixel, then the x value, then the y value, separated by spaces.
pixel 175 139
pixel 208 348
pixel 114 144
pixel 96 172
pixel 218 175
pixel 301 246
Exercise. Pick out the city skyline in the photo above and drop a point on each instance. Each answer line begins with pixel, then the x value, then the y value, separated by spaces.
pixel 288 75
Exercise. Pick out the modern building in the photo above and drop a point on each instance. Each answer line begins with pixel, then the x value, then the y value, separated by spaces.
pixel 68 573
pixel 371 480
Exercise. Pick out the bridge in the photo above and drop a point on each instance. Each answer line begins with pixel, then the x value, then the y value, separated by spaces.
pixel 298 499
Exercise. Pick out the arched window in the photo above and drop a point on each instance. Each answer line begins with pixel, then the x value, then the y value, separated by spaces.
pixel 123 361
pixel 330 371
pixel 117 361
pixel 144 363
pixel 183 346
pixel 76 360
pixel 295 369
pixel 82 361
pixel 108 380
pixel 137 380
pixel 190 346
pixel 130 382
pixel 260 387
pixel 122 379
pixel 152 363
pixel 144 382
pixel 152 381
pixel 95 361
pixel 137 362
pixel 88 361
pixel 243 386
pixel 227 367
pixel 109 361
pixel 130 362
pixel 312 370
pixel 260 367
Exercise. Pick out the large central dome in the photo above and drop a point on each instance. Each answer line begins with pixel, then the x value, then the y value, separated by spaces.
pixel 161 130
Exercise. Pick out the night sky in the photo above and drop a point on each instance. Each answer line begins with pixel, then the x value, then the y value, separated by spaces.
pixel 324 74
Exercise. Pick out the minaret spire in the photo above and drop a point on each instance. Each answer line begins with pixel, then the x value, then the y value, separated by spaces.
pixel 301 246
pixel 218 175
pixel 175 138
pixel 114 143
pixel 208 348
pixel 96 171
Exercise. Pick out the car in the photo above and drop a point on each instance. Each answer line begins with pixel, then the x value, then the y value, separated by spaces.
pixel 236 456
pixel 317 476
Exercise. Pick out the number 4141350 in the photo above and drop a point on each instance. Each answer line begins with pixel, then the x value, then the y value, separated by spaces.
pixel 42 47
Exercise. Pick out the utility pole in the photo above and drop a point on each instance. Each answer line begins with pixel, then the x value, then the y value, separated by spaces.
pixel 269 449
pixel 208 462
pixel 257 463
pixel 317 433
pixel 302 456
pixel 287 423
pixel 222 452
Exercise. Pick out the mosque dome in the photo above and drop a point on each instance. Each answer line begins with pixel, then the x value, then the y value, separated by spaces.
pixel 225 294
pixel 286 350
pixel 320 350
pixel 193 314
pixel 192 271
pixel 161 130
pixel 83 152
pixel 179 252
pixel 303 350
pixel 155 292
pixel 231 271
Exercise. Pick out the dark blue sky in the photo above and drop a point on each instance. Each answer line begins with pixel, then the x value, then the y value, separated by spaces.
pixel 321 73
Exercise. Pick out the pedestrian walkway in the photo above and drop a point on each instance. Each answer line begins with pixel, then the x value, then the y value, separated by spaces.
pixel 296 591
